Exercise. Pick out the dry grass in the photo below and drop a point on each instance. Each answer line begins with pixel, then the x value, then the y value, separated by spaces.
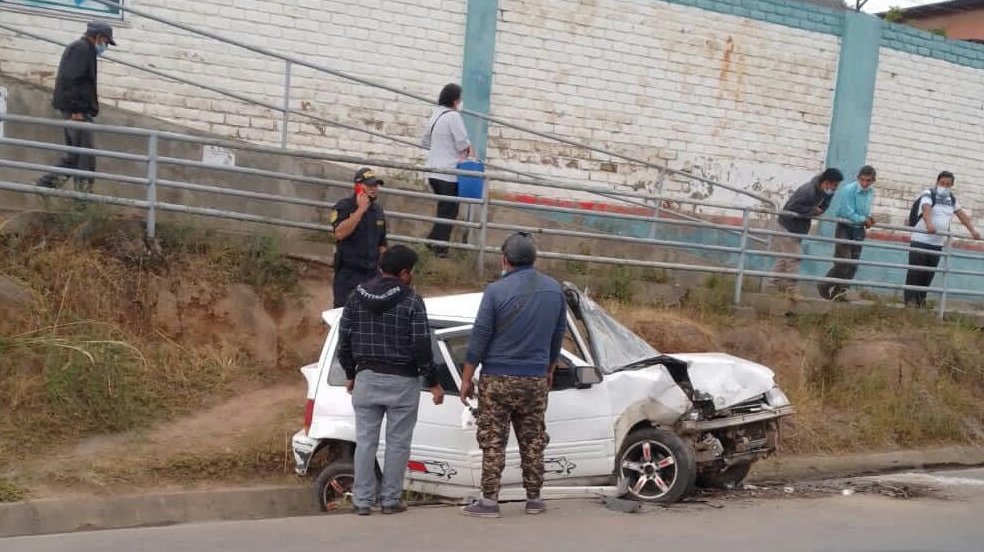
pixel 871 379
pixel 86 358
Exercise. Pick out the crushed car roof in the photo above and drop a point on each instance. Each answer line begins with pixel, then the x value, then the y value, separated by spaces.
pixel 454 308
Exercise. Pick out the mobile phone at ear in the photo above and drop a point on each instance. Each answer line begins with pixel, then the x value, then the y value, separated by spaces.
pixel 360 189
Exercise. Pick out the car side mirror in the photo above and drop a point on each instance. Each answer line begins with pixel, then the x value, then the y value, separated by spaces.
pixel 586 376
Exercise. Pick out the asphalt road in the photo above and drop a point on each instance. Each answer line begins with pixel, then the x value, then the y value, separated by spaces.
pixel 951 521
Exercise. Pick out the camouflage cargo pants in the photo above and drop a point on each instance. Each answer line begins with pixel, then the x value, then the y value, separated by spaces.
pixel 522 401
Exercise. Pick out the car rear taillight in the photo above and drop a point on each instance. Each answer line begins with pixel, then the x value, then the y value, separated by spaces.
pixel 308 414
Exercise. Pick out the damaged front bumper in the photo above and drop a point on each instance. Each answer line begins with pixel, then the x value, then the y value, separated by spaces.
pixel 303 447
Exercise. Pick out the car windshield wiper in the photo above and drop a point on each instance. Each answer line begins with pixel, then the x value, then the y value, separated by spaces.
pixel 642 363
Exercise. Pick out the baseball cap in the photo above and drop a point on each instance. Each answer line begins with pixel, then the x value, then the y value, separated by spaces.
pixel 365 175
pixel 519 249
pixel 96 28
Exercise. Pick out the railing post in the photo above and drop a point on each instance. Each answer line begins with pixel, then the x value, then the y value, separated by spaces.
pixel 947 249
pixel 483 229
pixel 152 187
pixel 742 252
pixel 658 204
pixel 285 113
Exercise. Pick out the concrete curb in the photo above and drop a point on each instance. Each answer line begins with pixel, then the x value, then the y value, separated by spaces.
pixel 46 516
pixel 849 465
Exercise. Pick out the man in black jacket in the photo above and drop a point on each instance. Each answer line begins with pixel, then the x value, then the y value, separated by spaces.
pixel 385 347
pixel 809 200
pixel 76 98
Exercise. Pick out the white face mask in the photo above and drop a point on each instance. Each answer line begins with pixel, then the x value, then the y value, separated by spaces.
pixel 942 191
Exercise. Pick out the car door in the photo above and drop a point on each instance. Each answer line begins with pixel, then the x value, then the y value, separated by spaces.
pixel 443 450
pixel 579 420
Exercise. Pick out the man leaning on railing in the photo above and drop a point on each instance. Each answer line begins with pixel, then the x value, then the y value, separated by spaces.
pixel 77 99
pixel 809 200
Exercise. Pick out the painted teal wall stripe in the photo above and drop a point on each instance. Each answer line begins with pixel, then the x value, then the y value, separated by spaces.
pixel 854 93
pixel 781 12
pixel 915 41
pixel 476 74
pixel 807 17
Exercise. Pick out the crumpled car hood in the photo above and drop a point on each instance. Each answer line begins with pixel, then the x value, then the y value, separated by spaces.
pixel 729 380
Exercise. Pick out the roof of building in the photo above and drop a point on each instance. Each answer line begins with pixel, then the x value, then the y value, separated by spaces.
pixel 940 8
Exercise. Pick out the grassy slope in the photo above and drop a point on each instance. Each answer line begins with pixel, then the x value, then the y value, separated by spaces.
pixel 88 359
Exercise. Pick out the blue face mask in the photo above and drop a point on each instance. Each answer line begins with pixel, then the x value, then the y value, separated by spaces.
pixel 101 49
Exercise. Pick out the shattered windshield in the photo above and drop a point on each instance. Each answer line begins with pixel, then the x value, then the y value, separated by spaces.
pixel 613 345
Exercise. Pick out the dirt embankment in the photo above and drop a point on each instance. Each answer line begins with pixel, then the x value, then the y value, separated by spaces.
pixel 120 369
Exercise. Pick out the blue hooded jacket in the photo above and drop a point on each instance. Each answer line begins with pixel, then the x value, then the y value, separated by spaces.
pixel 520 325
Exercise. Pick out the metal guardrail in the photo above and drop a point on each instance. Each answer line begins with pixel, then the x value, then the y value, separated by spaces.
pixel 286 111
pixel 740 269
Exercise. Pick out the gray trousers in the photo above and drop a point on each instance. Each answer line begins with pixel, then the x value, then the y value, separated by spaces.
pixel 397 398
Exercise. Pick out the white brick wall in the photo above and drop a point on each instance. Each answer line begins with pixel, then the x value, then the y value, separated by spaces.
pixel 412 44
pixel 732 99
pixel 926 119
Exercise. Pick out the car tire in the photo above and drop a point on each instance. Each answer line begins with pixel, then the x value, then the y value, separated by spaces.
pixel 333 488
pixel 656 465
pixel 731 477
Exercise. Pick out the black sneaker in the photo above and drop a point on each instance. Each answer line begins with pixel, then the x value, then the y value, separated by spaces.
pixel 478 508
pixel 52 181
pixel 535 506
pixel 394 509
pixel 361 511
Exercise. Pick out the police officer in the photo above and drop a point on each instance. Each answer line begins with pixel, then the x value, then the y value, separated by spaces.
pixel 360 235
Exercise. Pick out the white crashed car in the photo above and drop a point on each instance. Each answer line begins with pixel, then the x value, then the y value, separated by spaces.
pixel 621 415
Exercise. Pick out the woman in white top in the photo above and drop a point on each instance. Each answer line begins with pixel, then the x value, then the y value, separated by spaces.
pixel 447 143
pixel 937 207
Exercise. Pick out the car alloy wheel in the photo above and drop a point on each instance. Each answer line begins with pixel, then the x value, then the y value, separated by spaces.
pixel 656 466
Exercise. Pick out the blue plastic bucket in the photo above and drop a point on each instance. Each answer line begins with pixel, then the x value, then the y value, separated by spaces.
pixel 470 186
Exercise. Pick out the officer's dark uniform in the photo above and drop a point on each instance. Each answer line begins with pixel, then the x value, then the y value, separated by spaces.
pixel 357 256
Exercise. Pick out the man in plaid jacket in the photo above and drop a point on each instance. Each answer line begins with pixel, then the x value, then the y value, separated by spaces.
pixel 385 348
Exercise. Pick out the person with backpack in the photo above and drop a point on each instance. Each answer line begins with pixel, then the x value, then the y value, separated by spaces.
pixel 446 140
pixel 809 200
pixel 852 202
pixel 931 214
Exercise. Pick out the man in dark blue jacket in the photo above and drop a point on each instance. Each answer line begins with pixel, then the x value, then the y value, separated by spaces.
pixel 517 338
pixel 77 99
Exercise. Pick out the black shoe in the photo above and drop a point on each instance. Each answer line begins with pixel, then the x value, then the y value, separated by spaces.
pixel 52 181
pixel 395 509
pixel 362 511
